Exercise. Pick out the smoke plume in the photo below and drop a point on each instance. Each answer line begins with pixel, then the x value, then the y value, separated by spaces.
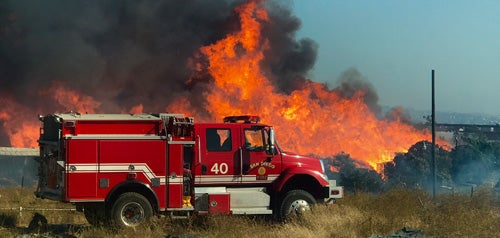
pixel 129 53
pixel 120 52
pixel 352 81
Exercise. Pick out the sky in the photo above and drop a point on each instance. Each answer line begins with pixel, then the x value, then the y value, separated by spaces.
pixel 395 44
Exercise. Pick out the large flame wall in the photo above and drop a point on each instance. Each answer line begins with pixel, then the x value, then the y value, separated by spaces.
pixel 242 65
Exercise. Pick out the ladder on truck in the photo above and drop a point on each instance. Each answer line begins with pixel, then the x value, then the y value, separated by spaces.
pixel 176 124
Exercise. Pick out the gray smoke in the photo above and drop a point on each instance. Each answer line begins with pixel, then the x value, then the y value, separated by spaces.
pixel 352 81
pixel 130 52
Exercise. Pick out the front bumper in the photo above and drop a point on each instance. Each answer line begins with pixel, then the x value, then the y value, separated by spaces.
pixel 333 192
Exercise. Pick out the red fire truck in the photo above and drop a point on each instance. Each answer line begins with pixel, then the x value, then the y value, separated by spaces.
pixel 125 168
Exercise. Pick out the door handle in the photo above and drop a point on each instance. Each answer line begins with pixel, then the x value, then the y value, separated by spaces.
pixel 199 149
pixel 241 160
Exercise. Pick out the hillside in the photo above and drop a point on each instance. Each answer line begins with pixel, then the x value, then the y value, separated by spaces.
pixel 453 117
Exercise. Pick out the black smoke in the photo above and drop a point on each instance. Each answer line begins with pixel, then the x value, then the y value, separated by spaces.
pixel 125 53
pixel 121 52
pixel 289 60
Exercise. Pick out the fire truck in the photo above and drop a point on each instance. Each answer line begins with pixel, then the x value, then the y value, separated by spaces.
pixel 125 168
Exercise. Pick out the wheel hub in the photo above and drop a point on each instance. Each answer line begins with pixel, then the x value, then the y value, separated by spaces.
pixel 299 206
pixel 132 214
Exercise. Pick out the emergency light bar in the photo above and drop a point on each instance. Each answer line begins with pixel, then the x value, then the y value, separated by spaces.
pixel 244 119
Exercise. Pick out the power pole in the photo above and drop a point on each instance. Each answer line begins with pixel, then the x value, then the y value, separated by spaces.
pixel 433 137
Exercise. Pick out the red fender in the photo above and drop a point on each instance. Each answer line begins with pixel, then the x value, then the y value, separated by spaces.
pixel 279 183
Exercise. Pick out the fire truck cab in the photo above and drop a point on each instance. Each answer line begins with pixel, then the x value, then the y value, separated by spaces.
pixel 125 168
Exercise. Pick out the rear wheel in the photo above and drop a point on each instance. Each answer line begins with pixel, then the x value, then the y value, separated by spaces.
pixel 95 214
pixel 131 210
pixel 295 203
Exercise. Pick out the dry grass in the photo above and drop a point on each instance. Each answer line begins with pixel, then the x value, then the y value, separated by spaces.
pixel 357 215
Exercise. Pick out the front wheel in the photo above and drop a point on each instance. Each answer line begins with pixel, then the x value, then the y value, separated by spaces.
pixel 131 210
pixel 295 203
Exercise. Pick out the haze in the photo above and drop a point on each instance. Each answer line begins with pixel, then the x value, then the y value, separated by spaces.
pixel 396 44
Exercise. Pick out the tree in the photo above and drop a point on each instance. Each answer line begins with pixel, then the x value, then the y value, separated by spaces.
pixel 414 168
pixel 355 175
pixel 475 160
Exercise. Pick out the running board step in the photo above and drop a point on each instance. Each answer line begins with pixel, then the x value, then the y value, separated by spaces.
pixel 252 211
pixel 179 217
pixel 179 214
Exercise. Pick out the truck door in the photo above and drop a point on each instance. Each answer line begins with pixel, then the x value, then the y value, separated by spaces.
pixel 218 152
pixel 258 165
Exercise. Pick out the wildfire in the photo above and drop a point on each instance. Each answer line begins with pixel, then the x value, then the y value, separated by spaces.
pixel 71 99
pixel 137 109
pixel 314 120
pixel 20 122
pixel 14 118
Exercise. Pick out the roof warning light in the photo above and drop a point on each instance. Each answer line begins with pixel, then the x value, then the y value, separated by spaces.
pixel 244 119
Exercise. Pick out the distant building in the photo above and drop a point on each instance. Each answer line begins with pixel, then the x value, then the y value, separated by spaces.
pixel 456 132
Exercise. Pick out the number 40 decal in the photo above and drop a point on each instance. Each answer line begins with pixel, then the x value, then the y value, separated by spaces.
pixel 219 168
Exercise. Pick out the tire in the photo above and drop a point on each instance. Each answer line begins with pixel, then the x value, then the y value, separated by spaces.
pixel 95 214
pixel 295 203
pixel 130 210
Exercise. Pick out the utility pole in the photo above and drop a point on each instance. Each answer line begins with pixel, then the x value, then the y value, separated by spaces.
pixel 433 137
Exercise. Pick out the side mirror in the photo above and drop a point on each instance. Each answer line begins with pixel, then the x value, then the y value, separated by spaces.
pixel 271 149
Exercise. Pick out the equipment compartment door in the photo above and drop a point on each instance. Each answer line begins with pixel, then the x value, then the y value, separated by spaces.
pixel 81 169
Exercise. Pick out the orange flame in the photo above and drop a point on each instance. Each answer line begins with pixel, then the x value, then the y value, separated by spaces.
pixel 15 119
pixel 71 99
pixel 20 122
pixel 137 109
pixel 314 120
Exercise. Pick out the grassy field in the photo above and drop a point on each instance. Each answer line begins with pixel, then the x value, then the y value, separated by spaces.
pixel 357 215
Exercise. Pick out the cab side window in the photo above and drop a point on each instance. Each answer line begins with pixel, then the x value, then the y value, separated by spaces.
pixel 255 139
pixel 219 139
